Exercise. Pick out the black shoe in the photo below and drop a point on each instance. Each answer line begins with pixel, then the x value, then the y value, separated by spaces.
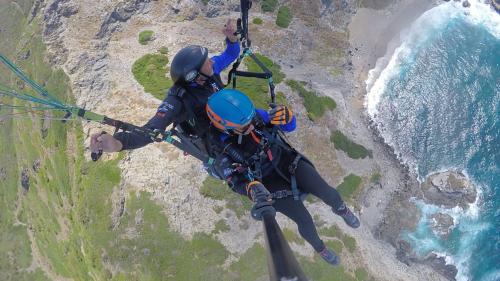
pixel 330 257
pixel 349 218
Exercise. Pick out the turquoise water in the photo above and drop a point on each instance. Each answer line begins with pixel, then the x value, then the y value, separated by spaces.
pixel 437 102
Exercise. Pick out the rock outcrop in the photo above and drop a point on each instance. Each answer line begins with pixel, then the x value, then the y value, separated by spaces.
pixel 121 13
pixel 449 189
pixel 442 224
pixel 496 5
pixel 439 264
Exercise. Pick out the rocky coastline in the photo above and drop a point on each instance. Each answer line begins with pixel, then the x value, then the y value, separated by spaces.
pixel 446 189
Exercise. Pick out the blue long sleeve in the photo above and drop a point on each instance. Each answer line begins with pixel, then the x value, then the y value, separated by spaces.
pixel 290 127
pixel 223 60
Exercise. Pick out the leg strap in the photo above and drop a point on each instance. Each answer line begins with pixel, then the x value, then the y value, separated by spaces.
pixel 293 182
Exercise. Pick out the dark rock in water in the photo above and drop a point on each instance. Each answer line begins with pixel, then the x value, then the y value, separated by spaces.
pixel 25 180
pixel 449 189
pixel 439 265
pixel 466 4
pixel 496 5
pixel 36 165
pixel 442 224
pixel 404 252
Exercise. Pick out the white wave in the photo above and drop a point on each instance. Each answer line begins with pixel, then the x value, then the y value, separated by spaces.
pixel 477 14
pixel 468 225
pixel 467 221
pixel 483 14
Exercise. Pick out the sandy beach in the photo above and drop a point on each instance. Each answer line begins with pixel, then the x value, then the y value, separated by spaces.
pixel 376 33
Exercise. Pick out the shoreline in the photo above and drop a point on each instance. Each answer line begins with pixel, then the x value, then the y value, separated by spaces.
pixel 374 35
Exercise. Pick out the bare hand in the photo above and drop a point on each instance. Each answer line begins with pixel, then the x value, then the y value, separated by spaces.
pixel 104 142
pixel 229 30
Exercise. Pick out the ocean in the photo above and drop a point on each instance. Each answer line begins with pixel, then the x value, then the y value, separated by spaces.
pixel 436 101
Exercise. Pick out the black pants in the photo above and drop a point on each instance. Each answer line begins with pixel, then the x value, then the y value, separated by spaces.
pixel 308 180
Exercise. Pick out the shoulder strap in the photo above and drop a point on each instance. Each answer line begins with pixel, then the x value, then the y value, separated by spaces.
pixel 176 91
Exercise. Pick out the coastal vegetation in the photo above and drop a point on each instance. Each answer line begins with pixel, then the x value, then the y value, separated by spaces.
pixel 375 177
pixel 268 5
pixel 150 71
pixel 315 105
pixel 284 17
pixel 257 21
pixel 218 190
pixel 258 89
pixel 163 50
pixel 349 186
pixel 145 36
pixel 353 150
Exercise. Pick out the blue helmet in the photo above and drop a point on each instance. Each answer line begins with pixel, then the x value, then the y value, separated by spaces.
pixel 230 110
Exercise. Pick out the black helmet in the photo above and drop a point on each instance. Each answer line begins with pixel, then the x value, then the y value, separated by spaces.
pixel 187 63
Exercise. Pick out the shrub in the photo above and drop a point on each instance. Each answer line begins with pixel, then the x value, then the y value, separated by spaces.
pixel 361 274
pixel 291 236
pixel 284 17
pixel 375 178
pixel 353 150
pixel 268 5
pixel 163 50
pixel 332 231
pixel 335 245
pixel 349 186
pixel 316 106
pixel 349 243
pixel 221 226
pixel 150 71
pixel 145 36
pixel 217 190
pixel 257 21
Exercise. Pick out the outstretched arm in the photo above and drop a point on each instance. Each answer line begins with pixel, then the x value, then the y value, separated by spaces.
pixel 168 109
pixel 232 49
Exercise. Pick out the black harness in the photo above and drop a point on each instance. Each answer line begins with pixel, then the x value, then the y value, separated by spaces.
pixel 272 145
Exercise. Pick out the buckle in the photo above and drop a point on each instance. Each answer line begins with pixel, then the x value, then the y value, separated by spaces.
pixel 280 194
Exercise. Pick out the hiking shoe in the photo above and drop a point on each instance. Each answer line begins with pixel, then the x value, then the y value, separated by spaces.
pixel 330 257
pixel 349 218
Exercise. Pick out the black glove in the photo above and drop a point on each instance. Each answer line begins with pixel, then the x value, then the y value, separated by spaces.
pixel 261 196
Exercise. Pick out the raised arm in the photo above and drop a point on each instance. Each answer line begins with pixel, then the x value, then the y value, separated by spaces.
pixel 232 49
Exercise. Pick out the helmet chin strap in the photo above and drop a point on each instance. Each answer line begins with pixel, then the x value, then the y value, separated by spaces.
pixel 211 82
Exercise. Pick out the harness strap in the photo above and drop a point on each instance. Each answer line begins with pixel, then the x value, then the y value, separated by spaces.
pixel 292 168
pixel 280 194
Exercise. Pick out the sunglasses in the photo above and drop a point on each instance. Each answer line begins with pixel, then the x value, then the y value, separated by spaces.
pixel 245 130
